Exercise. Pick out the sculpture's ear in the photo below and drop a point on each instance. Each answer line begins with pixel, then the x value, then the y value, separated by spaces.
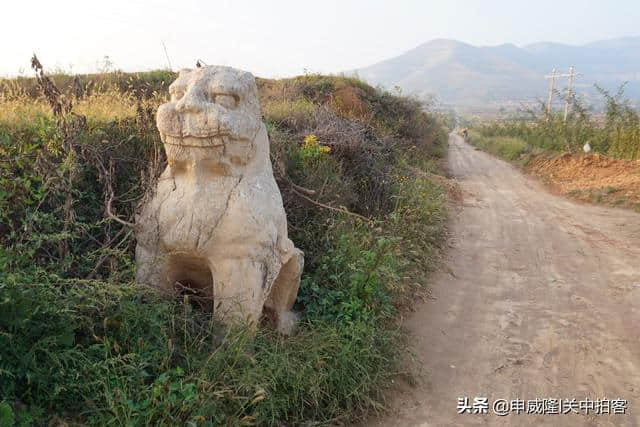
pixel 251 96
pixel 184 72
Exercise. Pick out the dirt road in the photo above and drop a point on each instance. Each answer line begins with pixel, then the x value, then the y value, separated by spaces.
pixel 540 298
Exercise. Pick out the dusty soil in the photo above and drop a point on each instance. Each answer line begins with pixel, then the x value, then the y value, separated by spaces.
pixel 540 298
pixel 592 178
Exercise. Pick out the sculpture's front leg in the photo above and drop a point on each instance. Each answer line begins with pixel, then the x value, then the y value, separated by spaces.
pixel 236 298
pixel 283 293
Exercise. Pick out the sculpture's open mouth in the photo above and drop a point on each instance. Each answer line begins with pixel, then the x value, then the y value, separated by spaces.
pixel 199 141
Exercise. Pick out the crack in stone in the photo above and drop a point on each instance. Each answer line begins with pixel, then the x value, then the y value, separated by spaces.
pixel 224 211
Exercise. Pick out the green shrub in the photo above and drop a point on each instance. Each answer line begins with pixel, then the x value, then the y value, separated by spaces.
pixel 618 135
pixel 80 342
pixel 507 147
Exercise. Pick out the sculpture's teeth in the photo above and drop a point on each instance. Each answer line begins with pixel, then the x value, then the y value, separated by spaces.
pixel 195 141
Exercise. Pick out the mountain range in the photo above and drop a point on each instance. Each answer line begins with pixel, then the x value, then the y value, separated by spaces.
pixel 462 74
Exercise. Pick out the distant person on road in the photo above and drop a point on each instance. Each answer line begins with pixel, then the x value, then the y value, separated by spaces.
pixel 465 134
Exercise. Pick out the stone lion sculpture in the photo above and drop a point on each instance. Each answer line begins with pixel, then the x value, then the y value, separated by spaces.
pixel 216 223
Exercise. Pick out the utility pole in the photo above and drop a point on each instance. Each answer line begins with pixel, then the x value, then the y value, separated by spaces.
pixel 569 92
pixel 552 84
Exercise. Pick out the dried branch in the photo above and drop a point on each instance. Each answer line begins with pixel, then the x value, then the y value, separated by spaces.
pixel 109 193
pixel 106 256
pixel 110 213
pixel 302 189
pixel 52 94
pixel 333 208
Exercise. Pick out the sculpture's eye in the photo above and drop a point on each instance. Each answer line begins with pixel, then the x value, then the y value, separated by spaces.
pixel 176 94
pixel 227 101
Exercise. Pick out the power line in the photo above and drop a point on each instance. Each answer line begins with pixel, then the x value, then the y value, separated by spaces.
pixel 167 55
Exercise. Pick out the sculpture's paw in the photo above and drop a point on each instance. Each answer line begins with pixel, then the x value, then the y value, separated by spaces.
pixel 288 323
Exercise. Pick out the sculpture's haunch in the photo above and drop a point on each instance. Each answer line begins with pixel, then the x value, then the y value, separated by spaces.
pixel 216 223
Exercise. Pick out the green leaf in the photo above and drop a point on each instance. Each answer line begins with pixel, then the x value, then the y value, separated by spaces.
pixel 67 337
pixel 7 418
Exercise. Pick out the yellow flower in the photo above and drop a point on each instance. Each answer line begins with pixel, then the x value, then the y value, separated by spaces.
pixel 310 139
pixel 311 149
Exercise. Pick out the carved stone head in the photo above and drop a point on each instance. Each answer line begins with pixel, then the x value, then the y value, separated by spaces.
pixel 212 121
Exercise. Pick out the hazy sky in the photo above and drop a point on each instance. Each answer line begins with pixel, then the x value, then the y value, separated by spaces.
pixel 279 38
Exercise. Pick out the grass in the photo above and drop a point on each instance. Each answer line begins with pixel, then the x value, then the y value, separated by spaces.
pixel 506 147
pixel 297 113
pixel 81 343
pixel 607 195
pixel 111 354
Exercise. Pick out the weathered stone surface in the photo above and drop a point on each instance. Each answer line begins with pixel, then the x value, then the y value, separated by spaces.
pixel 216 223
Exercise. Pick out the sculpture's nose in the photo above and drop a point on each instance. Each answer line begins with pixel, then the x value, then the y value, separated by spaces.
pixel 191 102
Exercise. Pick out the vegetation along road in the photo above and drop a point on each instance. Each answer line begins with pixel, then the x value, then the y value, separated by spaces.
pixel 540 299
